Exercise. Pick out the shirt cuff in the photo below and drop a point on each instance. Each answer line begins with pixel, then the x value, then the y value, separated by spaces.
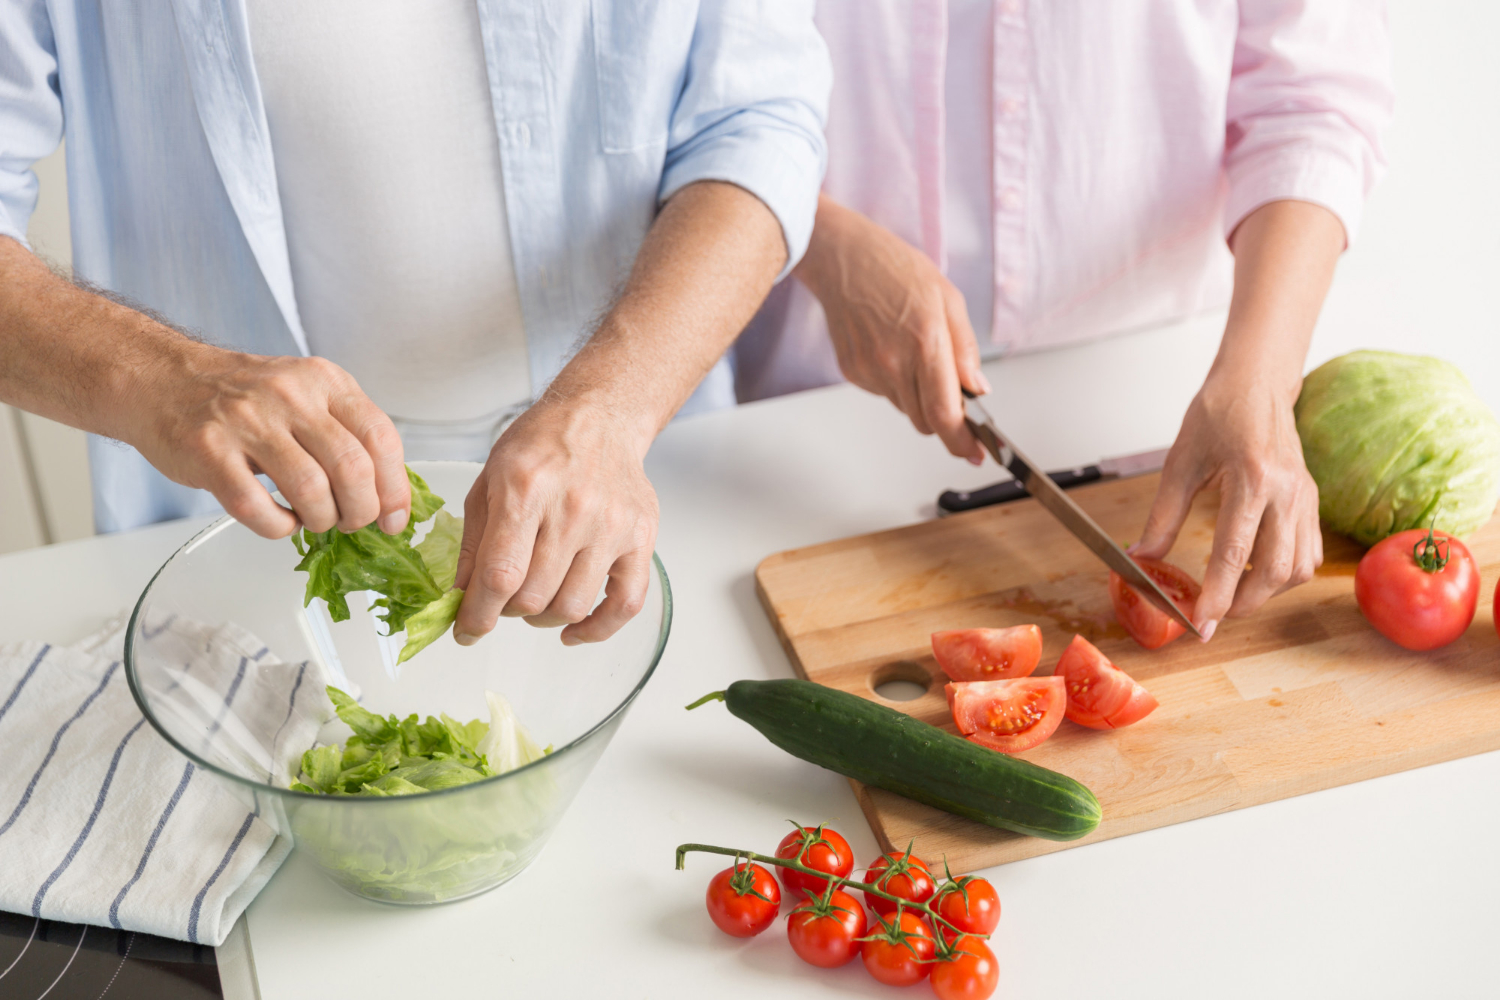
pixel 8 228
pixel 1322 177
pixel 779 166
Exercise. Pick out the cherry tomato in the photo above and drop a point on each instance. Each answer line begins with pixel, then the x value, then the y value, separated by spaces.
pixel 970 904
pixel 1100 694
pixel 825 931
pixel 988 654
pixel 971 973
pixel 900 874
pixel 1146 623
pixel 898 952
pixel 816 847
pixel 1497 609
pixel 1418 588
pixel 1009 716
pixel 743 900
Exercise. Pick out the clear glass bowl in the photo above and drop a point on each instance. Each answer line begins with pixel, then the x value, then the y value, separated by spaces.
pixel 227 664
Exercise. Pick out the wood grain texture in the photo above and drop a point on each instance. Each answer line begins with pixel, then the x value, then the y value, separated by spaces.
pixel 1302 696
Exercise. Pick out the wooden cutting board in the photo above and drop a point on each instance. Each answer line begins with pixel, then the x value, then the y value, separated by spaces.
pixel 1302 696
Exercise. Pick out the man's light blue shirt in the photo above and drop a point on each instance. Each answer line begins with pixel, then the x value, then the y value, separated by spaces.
pixel 604 108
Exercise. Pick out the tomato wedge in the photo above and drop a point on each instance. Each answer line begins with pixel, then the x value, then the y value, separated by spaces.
pixel 988 654
pixel 1146 623
pixel 1010 715
pixel 1100 695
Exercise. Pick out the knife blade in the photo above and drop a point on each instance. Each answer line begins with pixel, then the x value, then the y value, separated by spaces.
pixel 954 501
pixel 1061 506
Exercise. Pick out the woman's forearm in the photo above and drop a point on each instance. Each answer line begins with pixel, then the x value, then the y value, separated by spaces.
pixel 1284 255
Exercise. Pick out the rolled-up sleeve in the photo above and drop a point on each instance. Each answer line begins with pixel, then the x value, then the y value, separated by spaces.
pixel 31 115
pixel 752 109
pixel 1309 97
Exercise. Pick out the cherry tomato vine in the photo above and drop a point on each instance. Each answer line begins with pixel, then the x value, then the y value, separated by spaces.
pixel 946 948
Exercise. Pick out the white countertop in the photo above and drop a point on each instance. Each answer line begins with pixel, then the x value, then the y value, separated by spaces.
pixel 1382 888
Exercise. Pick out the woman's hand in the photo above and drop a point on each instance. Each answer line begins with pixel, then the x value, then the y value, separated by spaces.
pixel 899 327
pixel 1239 435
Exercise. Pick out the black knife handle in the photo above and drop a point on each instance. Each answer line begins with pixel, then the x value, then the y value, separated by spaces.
pixel 953 501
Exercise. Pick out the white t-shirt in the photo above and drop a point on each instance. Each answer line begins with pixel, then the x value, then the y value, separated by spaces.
pixel 388 165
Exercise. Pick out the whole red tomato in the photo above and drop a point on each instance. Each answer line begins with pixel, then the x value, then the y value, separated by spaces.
pixel 1418 588
pixel 816 847
pixel 825 931
pixel 970 973
pixel 899 951
pixel 900 874
pixel 743 900
pixel 970 904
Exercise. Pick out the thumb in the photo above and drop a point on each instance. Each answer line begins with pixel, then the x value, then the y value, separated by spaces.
pixel 965 344
pixel 475 517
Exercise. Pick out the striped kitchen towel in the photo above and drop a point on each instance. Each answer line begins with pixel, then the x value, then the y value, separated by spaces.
pixel 104 822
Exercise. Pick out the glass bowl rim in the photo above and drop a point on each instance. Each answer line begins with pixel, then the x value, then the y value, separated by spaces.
pixel 220 525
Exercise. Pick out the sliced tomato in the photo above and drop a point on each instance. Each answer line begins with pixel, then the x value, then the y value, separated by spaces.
pixel 1011 715
pixel 988 654
pixel 1146 623
pixel 1100 695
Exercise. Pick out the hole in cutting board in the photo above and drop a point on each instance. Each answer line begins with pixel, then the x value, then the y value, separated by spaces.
pixel 900 680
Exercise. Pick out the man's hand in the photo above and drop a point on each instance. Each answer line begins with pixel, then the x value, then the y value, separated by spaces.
pixel 1239 435
pixel 562 504
pixel 899 327
pixel 214 419
pixel 205 416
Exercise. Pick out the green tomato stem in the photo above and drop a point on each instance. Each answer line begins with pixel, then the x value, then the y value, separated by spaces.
pixel 866 888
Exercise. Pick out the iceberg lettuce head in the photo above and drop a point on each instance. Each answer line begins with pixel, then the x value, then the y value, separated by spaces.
pixel 1398 441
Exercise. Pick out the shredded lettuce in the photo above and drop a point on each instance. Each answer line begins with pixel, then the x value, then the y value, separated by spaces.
pixel 415 582
pixel 392 756
pixel 429 848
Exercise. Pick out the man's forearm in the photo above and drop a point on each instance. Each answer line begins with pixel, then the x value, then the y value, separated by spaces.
pixel 68 354
pixel 703 270
pixel 1284 254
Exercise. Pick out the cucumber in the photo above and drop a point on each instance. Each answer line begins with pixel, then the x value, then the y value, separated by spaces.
pixel 888 749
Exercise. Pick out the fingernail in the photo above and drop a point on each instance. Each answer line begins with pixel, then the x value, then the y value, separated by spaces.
pixel 465 639
pixel 395 522
pixel 1207 629
pixel 976 459
pixel 984 383
pixel 571 640
pixel 1130 551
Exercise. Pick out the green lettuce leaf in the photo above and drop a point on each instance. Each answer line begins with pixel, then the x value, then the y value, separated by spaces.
pixel 428 625
pixel 439 550
pixel 415 582
pixel 338 564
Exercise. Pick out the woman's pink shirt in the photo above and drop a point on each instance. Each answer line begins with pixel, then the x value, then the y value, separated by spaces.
pixel 1127 139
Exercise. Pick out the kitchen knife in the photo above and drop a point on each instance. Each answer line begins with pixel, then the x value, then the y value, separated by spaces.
pixel 1061 506
pixel 954 501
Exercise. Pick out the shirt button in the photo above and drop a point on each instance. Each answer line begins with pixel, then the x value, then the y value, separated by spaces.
pixel 1010 107
pixel 520 135
pixel 1012 286
pixel 1010 8
pixel 1010 199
